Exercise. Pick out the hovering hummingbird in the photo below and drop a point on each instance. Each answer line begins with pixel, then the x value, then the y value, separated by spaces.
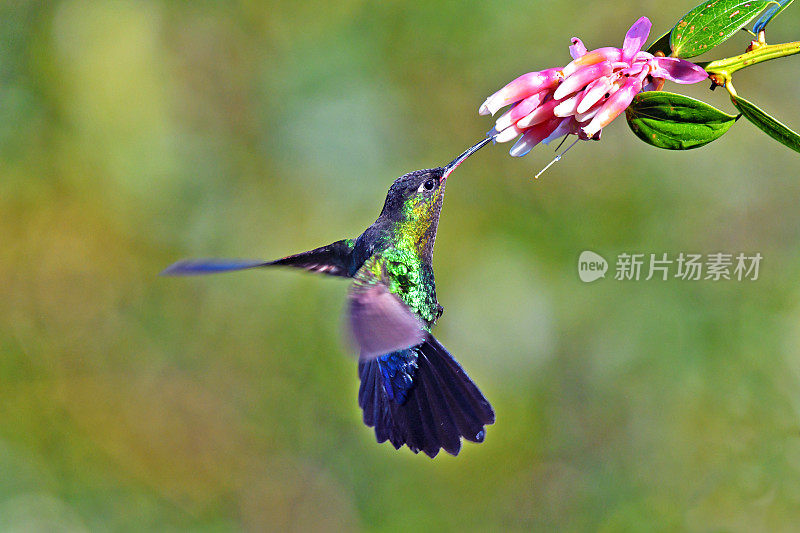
pixel 412 390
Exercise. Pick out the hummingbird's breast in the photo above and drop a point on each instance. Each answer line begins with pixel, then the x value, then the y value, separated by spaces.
pixel 411 279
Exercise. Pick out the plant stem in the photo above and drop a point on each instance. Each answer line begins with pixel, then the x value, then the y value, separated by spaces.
pixel 724 68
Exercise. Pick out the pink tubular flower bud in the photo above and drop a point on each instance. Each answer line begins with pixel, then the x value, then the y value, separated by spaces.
pixel 519 111
pixel 540 114
pixel 567 107
pixel 589 114
pixel 594 92
pixel 595 56
pixel 615 105
pixel 582 77
pixel 508 134
pixel 520 88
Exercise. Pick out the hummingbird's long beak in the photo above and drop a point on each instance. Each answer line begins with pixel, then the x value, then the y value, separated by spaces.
pixel 457 161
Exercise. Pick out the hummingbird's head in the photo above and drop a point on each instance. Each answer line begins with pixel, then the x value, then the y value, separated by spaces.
pixel 414 201
pixel 415 196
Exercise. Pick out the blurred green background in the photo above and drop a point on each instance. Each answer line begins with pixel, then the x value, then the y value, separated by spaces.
pixel 135 133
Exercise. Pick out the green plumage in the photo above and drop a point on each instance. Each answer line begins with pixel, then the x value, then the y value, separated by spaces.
pixel 405 275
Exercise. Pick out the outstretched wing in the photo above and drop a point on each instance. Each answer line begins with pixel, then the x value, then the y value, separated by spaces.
pixel 333 259
pixel 380 321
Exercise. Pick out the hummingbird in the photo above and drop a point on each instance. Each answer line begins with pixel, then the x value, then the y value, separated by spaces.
pixel 412 391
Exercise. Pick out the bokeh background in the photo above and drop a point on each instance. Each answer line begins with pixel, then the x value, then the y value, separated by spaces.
pixel 137 132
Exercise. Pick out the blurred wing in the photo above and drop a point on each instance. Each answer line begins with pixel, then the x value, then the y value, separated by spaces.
pixel 197 267
pixel 381 323
pixel 332 259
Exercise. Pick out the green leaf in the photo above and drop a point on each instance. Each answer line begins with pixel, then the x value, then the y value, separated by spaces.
pixel 711 23
pixel 674 121
pixel 661 45
pixel 771 12
pixel 767 124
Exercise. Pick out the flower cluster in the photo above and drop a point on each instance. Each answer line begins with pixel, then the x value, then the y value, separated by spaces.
pixel 584 96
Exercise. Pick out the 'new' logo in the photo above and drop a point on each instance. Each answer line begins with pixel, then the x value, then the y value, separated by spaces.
pixel 591 266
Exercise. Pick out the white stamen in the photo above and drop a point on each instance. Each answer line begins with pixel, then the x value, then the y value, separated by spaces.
pixel 556 159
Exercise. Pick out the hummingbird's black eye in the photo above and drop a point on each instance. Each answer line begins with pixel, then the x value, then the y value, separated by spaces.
pixel 428 185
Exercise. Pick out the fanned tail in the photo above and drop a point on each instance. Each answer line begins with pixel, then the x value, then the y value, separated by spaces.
pixel 426 401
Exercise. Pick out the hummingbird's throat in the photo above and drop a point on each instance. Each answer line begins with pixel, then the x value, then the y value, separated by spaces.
pixel 416 231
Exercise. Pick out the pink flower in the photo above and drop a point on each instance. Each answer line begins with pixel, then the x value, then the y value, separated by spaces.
pixel 586 95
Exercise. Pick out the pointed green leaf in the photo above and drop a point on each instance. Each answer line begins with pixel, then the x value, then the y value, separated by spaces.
pixel 711 23
pixel 771 12
pixel 674 121
pixel 767 124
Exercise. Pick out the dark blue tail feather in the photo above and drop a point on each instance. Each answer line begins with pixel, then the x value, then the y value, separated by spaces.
pixel 440 406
